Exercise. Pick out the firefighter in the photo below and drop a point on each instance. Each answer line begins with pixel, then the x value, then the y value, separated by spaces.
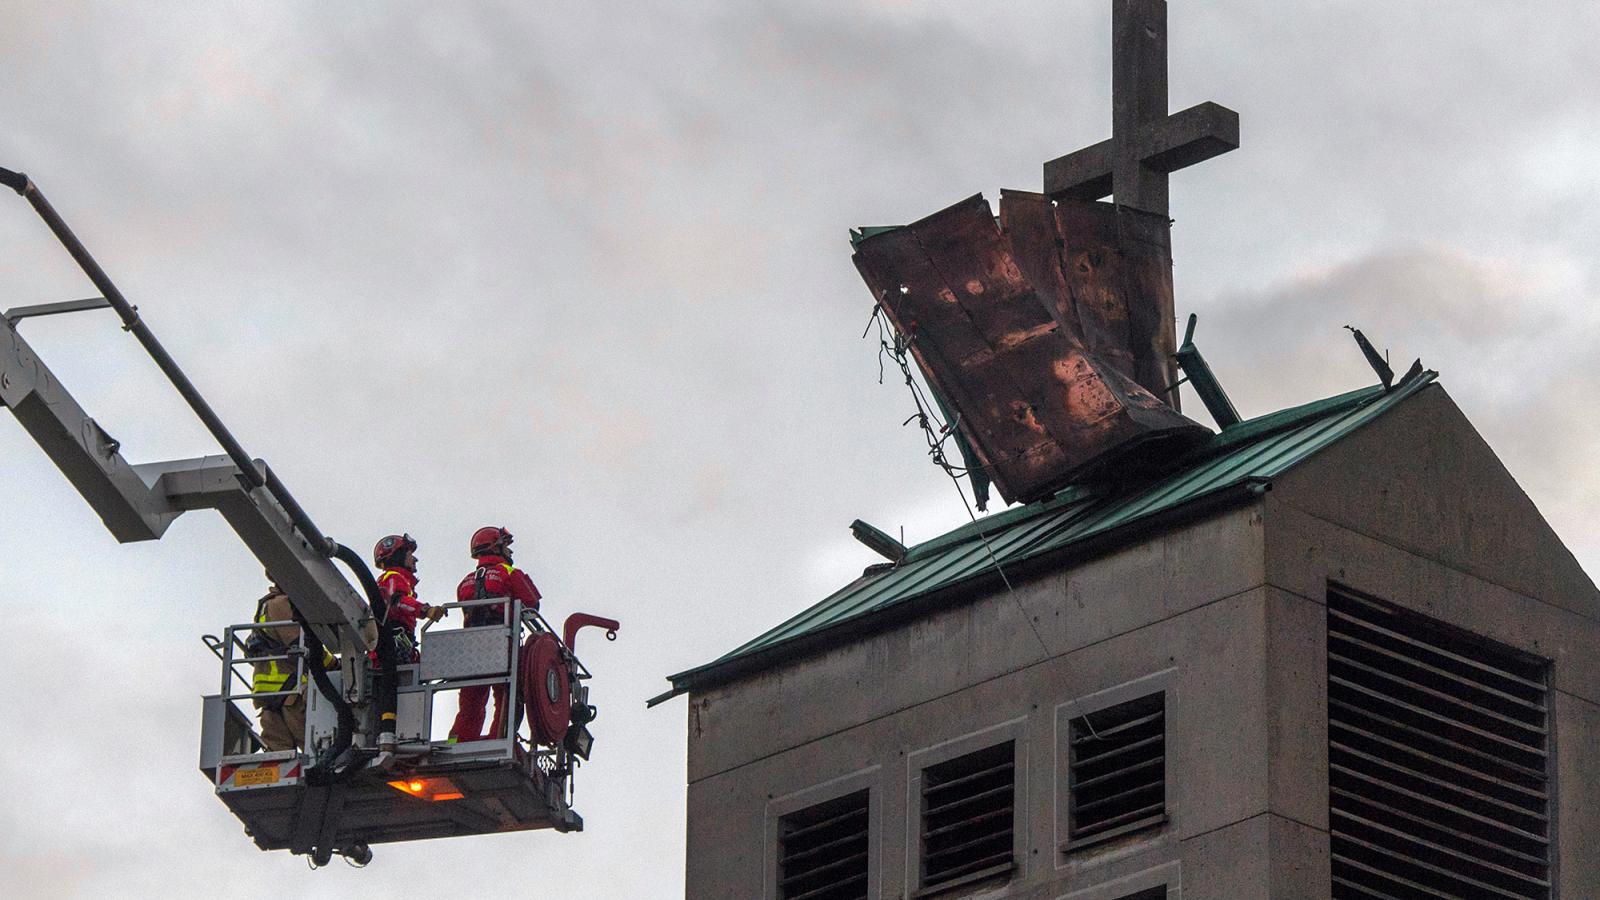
pixel 495 576
pixel 396 559
pixel 283 718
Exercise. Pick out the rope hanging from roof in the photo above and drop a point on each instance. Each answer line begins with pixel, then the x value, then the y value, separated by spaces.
pixel 931 416
pixel 936 431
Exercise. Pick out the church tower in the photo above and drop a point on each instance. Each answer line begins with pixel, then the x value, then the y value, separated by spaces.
pixel 1333 651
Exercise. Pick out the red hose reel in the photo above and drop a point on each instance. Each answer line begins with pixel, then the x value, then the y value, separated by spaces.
pixel 548 697
pixel 546 688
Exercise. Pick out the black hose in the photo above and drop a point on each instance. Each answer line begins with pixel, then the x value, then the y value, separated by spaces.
pixel 369 585
pixel 388 681
pixel 344 732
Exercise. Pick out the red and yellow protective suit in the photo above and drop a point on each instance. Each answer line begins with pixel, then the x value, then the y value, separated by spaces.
pixel 399 589
pixel 494 577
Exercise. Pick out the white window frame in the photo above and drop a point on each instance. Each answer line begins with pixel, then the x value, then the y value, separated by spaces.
pixel 1163 682
pixel 1167 875
pixel 777 808
pixel 1013 730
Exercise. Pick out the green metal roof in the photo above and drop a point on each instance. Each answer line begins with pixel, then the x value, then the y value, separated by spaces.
pixel 1237 462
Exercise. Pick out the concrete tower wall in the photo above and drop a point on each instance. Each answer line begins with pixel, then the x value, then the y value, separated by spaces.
pixel 1226 617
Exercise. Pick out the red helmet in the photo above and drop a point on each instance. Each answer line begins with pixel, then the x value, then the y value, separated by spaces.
pixel 393 550
pixel 490 539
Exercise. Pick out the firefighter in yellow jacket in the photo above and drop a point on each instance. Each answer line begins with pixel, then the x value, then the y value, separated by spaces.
pixel 283 717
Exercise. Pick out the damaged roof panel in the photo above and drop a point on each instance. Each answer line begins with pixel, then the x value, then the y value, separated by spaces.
pixel 1105 272
pixel 1035 403
pixel 1245 454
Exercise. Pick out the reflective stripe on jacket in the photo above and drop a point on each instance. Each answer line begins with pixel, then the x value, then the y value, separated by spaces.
pixel 269 677
pixel 495 577
pixel 399 588
pixel 272 675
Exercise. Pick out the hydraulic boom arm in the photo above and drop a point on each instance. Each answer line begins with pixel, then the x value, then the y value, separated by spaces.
pixel 138 502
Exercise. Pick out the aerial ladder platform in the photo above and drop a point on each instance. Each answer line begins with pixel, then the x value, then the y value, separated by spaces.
pixel 371 771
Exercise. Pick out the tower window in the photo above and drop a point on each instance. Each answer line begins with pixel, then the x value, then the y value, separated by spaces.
pixel 1437 758
pixel 968 818
pixel 1117 771
pixel 822 850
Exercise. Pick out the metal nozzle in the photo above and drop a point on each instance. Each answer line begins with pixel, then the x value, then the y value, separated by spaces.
pixel 15 180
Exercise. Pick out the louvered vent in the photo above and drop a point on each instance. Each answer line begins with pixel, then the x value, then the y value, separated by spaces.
pixel 968 817
pixel 1436 759
pixel 822 851
pixel 1117 768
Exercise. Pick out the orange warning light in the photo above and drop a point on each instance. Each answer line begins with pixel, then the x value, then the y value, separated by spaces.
pixel 428 788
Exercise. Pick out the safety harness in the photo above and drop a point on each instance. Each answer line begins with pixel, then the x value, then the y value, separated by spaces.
pixel 404 644
pixel 270 677
pixel 485 615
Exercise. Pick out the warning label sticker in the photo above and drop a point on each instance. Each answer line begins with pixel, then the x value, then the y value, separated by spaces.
pixel 262 775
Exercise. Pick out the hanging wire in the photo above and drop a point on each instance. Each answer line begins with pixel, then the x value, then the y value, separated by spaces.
pixel 1093 735
pixel 936 432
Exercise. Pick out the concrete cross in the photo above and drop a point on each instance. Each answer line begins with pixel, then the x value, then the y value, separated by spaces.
pixel 1146 144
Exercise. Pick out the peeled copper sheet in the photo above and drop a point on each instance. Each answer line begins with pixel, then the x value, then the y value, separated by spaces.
pixel 1038 404
pixel 1105 272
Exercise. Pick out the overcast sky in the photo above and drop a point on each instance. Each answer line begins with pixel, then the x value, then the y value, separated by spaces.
pixel 582 270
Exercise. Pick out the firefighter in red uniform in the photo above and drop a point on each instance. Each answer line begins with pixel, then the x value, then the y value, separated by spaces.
pixel 495 576
pixel 396 558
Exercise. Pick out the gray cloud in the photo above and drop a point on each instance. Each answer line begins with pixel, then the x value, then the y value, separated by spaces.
pixel 581 269
pixel 1514 342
